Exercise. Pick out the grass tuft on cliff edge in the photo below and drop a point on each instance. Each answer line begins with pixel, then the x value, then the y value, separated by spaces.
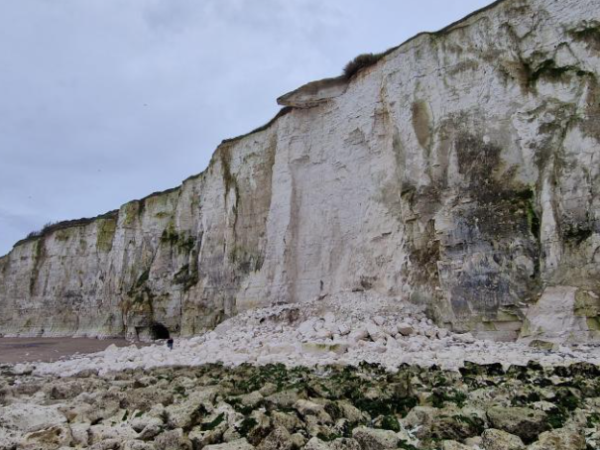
pixel 361 62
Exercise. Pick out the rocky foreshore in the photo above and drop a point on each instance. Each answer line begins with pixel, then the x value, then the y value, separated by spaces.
pixel 272 407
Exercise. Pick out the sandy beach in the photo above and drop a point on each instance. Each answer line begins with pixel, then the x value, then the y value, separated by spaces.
pixel 20 350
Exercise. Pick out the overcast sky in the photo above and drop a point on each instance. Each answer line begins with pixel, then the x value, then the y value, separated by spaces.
pixel 105 101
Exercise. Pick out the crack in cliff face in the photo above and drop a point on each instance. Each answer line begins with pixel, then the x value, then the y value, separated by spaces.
pixel 38 257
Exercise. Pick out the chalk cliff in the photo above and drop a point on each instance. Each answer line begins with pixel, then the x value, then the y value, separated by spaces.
pixel 460 171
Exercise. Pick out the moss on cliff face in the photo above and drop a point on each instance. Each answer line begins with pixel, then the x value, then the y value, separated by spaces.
pixel 548 70
pixel 38 254
pixel 246 260
pixel 229 178
pixel 132 211
pixel 63 235
pixel 576 233
pixel 105 234
pixel 187 276
pixel 589 33
pixel 175 239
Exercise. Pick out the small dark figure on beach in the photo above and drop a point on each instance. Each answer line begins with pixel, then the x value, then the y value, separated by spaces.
pixel 170 344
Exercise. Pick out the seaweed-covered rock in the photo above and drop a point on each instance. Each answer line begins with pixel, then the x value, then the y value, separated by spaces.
pixel 421 419
pixel 316 444
pixel 372 439
pixel 456 427
pixel 561 439
pixel 345 444
pixel 241 444
pixel 188 412
pixel 371 409
pixel 137 445
pixel 453 445
pixel 526 423
pixel 173 440
pixel 278 439
pixel 493 439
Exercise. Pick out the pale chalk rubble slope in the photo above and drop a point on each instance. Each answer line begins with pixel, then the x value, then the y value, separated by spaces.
pixel 347 330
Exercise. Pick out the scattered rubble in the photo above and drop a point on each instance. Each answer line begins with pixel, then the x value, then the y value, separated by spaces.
pixel 379 330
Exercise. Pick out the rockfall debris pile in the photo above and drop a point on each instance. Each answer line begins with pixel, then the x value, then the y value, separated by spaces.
pixel 347 329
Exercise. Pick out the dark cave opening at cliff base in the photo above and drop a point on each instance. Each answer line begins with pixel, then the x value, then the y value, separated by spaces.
pixel 158 331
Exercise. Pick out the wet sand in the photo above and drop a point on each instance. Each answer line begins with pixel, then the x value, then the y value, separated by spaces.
pixel 21 350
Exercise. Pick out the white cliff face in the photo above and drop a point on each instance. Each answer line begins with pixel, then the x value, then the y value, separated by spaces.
pixel 460 172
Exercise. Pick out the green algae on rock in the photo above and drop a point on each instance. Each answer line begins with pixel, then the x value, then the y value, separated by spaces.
pixel 217 407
